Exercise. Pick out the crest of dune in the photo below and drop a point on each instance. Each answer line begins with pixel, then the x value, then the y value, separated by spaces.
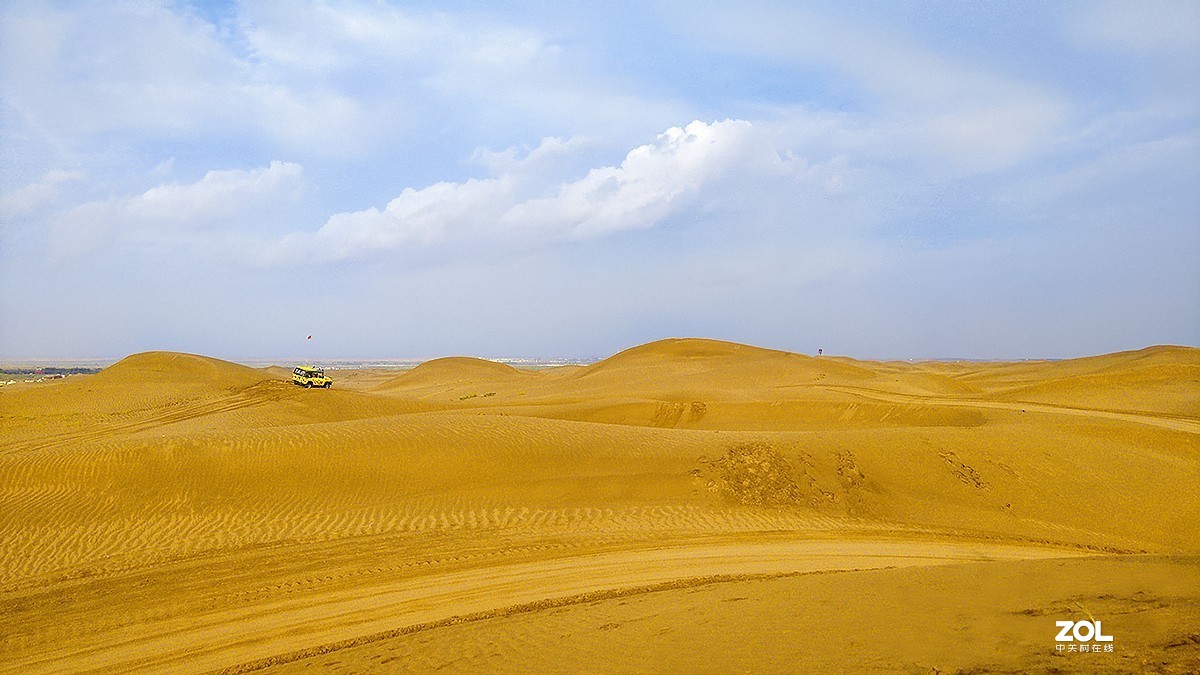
pixel 177 367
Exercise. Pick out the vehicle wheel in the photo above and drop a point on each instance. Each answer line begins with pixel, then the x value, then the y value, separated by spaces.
pixel 328 385
pixel 308 385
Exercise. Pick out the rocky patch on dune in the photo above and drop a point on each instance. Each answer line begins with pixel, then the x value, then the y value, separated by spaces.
pixel 757 474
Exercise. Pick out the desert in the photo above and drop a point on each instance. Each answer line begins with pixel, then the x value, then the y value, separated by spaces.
pixel 393 336
pixel 685 505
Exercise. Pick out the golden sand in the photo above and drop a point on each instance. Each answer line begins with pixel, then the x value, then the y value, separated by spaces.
pixel 684 505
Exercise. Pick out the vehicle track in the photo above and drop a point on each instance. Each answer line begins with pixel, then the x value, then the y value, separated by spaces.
pixel 161 417
pixel 1189 425
pixel 246 637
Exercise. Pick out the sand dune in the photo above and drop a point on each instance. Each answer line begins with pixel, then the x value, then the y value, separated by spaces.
pixel 277 372
pixel 455 369
pixel 175 367
pixel 152 510
pixel 373 612
pixel 1162 379
pixel 908 619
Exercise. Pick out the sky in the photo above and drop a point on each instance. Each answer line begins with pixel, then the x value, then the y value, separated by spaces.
pixel 528 179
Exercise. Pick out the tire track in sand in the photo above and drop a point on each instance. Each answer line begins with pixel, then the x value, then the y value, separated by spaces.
pixel 163 416
pixel 1188 425
pixel 248 637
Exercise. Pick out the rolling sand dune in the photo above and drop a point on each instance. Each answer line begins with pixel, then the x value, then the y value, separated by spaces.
pixel 456 369
pixel 683 505
pixel 277 372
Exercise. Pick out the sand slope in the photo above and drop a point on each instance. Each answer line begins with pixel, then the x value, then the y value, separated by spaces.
pixel 150 510
pixel 912 619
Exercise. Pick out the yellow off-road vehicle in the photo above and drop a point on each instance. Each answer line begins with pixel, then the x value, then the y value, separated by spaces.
pixel 310 376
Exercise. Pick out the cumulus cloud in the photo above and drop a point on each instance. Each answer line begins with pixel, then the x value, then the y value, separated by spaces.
pixel 650 183
pixel 226 202
pixel 685 167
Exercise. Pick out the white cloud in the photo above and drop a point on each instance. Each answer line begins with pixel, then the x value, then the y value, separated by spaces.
pixel 30 197
pixel 1109 176
pixel 310 79
pixel 234 203
pixel 415 65
pixel 690 167
pixel 216 195
pixel 965 116
pixel 143 70
pixel 650 183
pixel 334 40
pixel 551 158
pixel 127 65
pixel 422 217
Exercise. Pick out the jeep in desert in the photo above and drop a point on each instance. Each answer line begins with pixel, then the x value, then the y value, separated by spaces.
pixel 311 376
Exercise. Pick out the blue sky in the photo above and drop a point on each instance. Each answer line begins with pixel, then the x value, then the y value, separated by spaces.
pixel 878 179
